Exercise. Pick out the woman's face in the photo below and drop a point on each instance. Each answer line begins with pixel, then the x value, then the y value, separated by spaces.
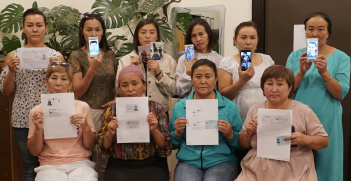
pixel 276 90
pixel 58 82
pixel 199 38
pixel 34 28
pixel 92 28
pixel 204 80
pixel 317 27
pixel 147 34
pixel 132 86
pixel 246 39
pixel 312 48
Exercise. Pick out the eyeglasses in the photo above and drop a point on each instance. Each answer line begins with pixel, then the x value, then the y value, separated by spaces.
pixel 65 65
pixel 89 15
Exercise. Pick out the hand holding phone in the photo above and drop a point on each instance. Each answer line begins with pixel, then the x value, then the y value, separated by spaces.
pixel 312 48
pixel 245 59
pixel 93 46
pixel 189 52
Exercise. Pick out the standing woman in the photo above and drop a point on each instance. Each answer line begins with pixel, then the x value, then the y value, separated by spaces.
pixel 243 87
pixel 322 84
pixel 26 85
pixel 94 78
pixel 160 76
pixel 199 34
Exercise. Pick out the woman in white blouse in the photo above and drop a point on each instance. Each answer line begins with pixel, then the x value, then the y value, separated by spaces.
pixel 199 34
pixel 243 87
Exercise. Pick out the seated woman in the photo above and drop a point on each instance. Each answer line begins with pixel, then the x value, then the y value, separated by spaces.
pixel 210 162
pixel 277 83
pixel 135 161
pixel 62 159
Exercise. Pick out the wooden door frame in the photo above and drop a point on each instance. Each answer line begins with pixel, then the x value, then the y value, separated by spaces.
pixel 259 17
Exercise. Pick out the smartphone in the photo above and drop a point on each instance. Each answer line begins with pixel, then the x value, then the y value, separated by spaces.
pixel 93 46
pixel 189 52
pixel 245 59
pixel 292 131
pixel 312 48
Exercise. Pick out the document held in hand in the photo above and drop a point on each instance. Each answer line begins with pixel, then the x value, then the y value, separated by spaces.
pixel 202 126
pixel 57 109
pixel 273 126
pixel 33 58
pixel 133 126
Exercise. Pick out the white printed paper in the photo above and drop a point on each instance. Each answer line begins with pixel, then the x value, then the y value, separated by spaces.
pixel 133 126
pixel 273 126
pixel 57 109
pixel 299 37
pixel 202 126
pixel 33 58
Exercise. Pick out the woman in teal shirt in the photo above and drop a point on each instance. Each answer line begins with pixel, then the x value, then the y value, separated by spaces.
pixel 322 83
pixel 208 162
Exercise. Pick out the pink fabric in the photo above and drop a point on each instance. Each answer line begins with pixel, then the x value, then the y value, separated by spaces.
pixel 66 150
pixel 301 165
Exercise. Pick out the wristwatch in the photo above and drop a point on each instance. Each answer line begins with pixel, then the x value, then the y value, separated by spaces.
pixel 328 79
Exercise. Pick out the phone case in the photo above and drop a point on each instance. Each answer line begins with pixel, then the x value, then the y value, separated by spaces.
pixel 312 48
pixel 245 60
pixel 189 52
pixel 93 46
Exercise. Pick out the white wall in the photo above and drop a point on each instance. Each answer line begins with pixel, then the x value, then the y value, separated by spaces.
pixel 236 11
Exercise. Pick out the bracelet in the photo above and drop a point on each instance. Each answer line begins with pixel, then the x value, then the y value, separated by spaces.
pixel 107 138
pixel 158 73
pixel 328 79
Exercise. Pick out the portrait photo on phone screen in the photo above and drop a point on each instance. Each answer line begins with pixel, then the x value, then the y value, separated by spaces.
pixel 312 48
pixel 245 59
pixel 93 46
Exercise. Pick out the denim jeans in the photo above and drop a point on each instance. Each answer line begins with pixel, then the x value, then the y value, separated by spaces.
pixel 28 160
pixel 222 172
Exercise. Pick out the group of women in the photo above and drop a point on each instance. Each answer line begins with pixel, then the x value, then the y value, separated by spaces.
pixel 311 89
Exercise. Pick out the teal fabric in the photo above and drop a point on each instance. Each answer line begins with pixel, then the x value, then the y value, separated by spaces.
pixel 313 92
pixel 204 157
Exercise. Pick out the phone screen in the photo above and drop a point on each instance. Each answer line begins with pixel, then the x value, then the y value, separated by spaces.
pixel 312 48
pixel 245 59
pixel 189 52
pixel 93 46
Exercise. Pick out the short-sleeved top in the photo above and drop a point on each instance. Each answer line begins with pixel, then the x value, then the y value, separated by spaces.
pixel 101 88
pixel 251 93
pixel 64 150
pixel 136 151
pixel 184 84
pixel 29 85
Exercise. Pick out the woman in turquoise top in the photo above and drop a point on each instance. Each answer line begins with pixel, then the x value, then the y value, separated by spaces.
pixel 322 83
pixel 206 162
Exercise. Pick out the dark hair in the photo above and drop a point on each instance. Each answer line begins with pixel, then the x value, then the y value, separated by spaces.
pixel 142 23
pixel 89 16
pixel 215 34
pixel 208 30
pixel 93 42
pixel 202 62
pixel 278 71
pixel 322 15
pixel 32 11
pixel 243 25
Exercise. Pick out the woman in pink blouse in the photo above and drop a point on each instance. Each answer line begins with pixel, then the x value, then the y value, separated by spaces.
pixel 277 83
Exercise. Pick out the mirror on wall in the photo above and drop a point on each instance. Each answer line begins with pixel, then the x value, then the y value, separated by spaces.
pixel 214 15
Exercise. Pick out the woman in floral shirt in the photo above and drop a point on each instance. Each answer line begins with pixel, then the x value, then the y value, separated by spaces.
pixel 135 161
